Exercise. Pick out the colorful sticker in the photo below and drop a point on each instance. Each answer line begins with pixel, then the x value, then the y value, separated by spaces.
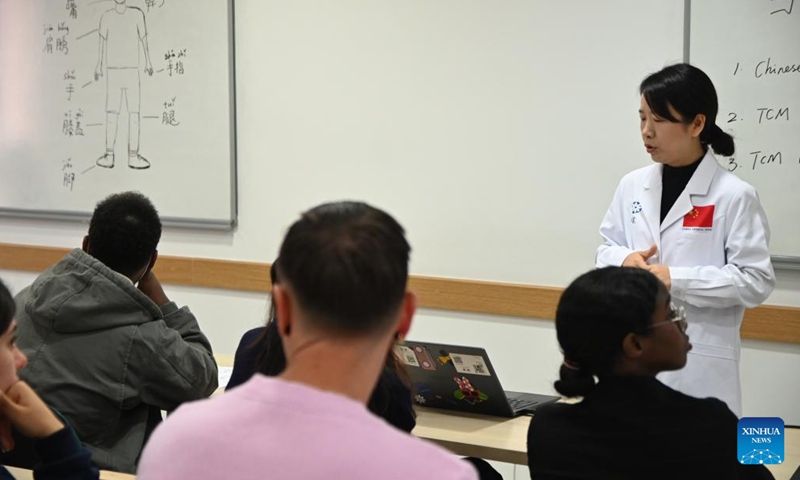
pixel 424 357
pixel 423 394
pixel 443 358
pixel 467 393
pixel 470 364
pixel 406 355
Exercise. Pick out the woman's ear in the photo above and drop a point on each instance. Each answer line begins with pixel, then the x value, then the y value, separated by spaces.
pixel 632 346
pixel 407 309
pixel 698 124
pixel 283 309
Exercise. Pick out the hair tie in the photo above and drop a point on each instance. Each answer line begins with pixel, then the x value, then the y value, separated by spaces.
pixel 716 131
pixel 571 365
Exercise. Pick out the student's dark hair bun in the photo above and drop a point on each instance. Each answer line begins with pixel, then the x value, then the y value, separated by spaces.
pixel 574 382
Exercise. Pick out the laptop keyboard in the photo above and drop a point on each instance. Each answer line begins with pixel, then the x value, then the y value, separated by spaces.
pixel 518 404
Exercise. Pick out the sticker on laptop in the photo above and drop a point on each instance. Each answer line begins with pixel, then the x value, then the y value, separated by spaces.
pixel 424 358
pixel 470 364
pixel 443 358
pixel 406 355
pixel 467 393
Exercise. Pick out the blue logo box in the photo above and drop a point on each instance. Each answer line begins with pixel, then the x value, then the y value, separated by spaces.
pixel 760 441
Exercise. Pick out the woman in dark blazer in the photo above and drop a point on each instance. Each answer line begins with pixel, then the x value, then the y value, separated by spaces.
pixel 618 328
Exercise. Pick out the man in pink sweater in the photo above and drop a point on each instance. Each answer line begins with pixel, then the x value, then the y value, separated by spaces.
pixel 340 303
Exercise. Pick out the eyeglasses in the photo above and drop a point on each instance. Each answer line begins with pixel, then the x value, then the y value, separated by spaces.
pixel 677 315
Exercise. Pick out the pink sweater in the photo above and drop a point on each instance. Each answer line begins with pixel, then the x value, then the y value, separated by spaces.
pixel 271 428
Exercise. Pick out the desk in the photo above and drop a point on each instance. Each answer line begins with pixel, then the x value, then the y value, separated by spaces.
pixel 490 438
pixel 505 439
pixel 225 365
pixel 223 360
pixel 23 474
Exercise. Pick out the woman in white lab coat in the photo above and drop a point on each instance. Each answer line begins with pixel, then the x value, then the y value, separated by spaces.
pixel 699 228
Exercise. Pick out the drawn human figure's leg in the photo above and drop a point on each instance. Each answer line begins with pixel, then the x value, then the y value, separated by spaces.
pixel 113 100
pixel 135 160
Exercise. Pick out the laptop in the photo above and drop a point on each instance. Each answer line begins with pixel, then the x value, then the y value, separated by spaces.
pixel 462 378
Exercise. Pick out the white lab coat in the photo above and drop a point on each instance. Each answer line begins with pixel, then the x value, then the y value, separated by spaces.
pixel 716 272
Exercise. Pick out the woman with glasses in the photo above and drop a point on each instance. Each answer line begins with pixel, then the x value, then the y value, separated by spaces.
pixel 698 227
pixel 618 329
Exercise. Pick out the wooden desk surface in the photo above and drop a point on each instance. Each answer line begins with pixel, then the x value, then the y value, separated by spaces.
pixel 505 439
pixel 223 360
pixel 490 438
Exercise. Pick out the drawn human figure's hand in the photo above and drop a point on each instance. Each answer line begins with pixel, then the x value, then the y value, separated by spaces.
pixel 149 69
pixel 98 72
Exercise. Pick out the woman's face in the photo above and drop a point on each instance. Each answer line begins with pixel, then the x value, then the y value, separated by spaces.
pixel 670 143
pixel 666 343
pixel 11 358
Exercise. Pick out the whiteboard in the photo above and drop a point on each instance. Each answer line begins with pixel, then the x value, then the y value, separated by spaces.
pixel 496 135
pixel 169 123
pixel 751 51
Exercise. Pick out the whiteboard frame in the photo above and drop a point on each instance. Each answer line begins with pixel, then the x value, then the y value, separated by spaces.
pixel 181 222
pixel 784 262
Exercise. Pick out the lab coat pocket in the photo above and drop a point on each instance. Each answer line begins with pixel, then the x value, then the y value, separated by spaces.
pixel 703 245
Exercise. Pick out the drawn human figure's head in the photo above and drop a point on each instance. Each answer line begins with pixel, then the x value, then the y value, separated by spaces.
pixel 11 358
pixel 124 233
pixel 617 321
pixel 343 268
pixel 120 2
pixel 678 112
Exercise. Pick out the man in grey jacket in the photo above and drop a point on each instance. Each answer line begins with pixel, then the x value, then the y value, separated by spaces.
pixel 105 345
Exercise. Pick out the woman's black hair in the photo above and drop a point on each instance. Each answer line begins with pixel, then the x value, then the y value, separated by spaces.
pixel 689 91
pixel 7 308
pixel 271 361
pixel 595 313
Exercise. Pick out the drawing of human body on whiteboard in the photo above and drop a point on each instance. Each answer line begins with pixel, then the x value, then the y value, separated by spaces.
pixel 121 30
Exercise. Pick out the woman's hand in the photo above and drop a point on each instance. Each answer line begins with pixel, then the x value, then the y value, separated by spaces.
pixel 639 259
pixel 22 408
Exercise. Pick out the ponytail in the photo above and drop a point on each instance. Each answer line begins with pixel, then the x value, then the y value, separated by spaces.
pixel 574 381
pixel 720 142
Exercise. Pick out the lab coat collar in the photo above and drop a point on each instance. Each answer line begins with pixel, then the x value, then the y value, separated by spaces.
pixel 699 184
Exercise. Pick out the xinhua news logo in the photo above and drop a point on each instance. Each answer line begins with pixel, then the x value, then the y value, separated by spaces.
pixel 760 441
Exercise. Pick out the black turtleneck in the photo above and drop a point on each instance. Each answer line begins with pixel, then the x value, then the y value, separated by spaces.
pixel 673 182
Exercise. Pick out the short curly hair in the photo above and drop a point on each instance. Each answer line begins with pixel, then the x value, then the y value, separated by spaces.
pixel 124 232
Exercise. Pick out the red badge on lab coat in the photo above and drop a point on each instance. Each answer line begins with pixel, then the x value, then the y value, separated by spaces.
pixel 700 217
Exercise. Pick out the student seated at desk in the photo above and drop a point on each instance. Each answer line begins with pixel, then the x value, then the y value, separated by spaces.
pixel 108 349
pixel 261 350
pixel 340 302
pixel 62 456
pixel 618 324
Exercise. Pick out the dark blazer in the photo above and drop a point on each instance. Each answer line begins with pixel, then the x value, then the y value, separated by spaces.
pixel 635 428
pixel 390 400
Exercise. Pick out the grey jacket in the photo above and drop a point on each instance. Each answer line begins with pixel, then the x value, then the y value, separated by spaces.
pixel 103 354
